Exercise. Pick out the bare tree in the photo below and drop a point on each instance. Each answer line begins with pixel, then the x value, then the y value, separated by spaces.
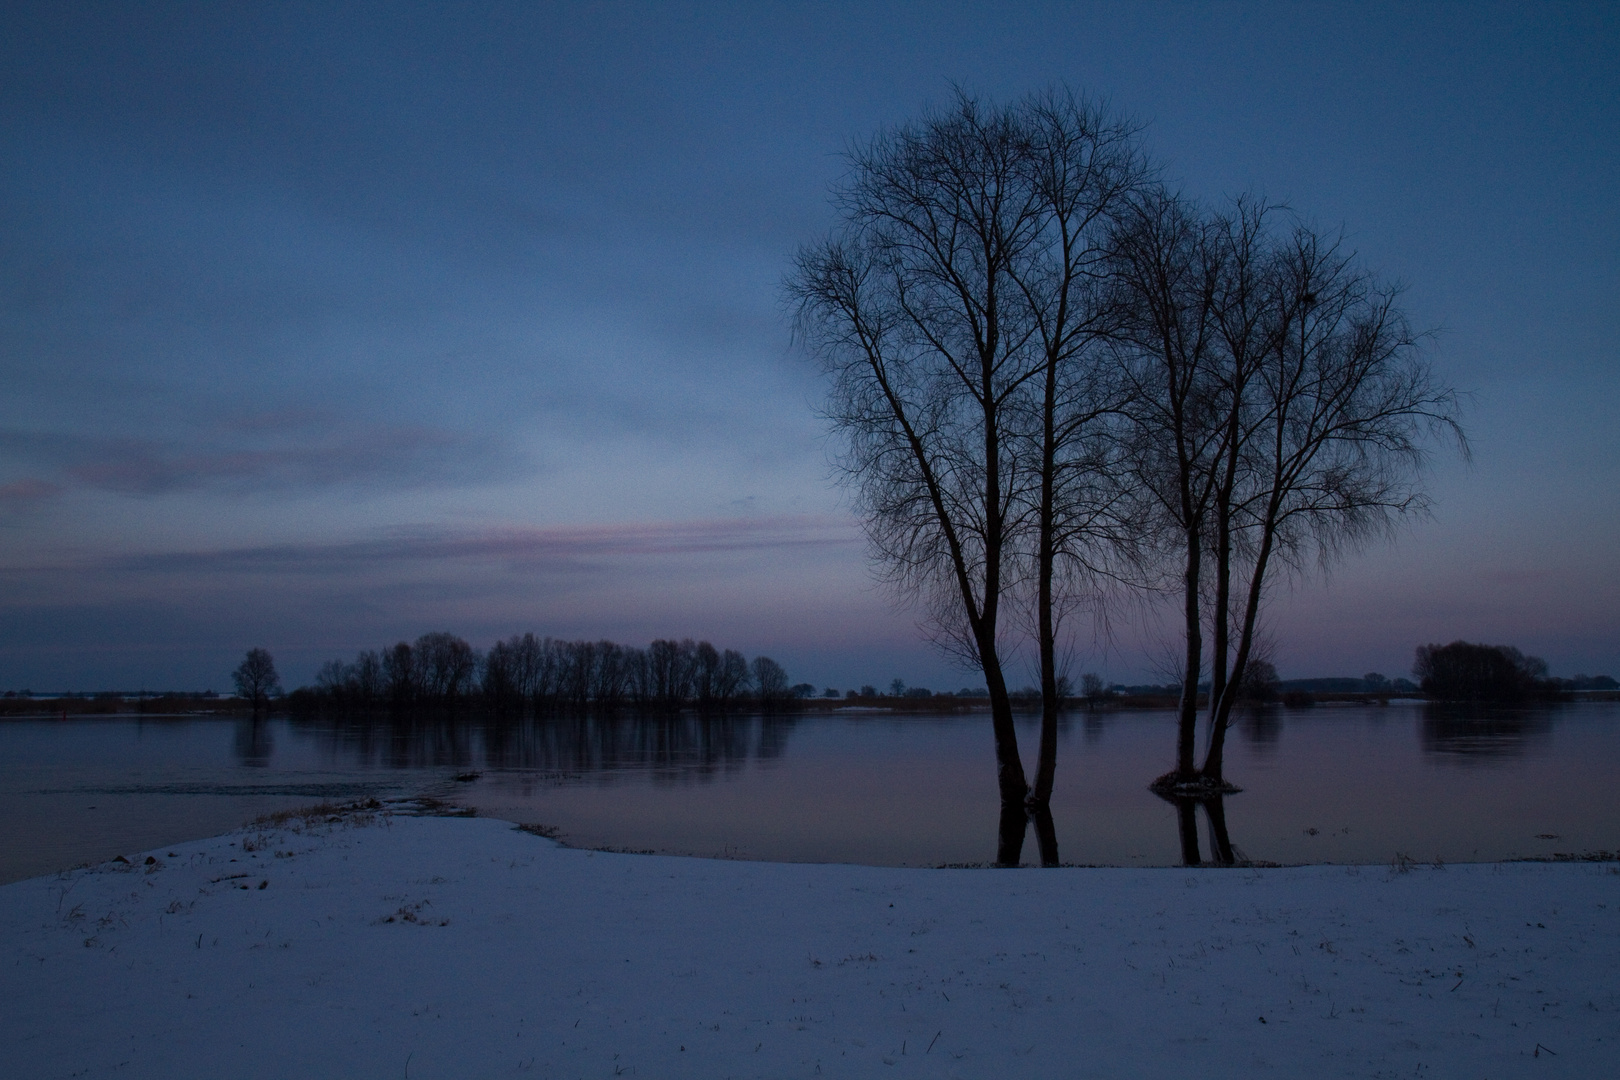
pixel 550 674
pixel 1281 407
pixel 399 674
pixel 1164 277
pixel 366 677
pixel 333 679
pixel 500 681
pixel 958 311
pixel 671 666
pixel 608 680
pixel 256 679
pixel 706 670
pixel 445 666
pixel 770 680
pixel 638 676
pixel 1346 406
pixel 578 667
pixel 1083 164
pixel 912 310
pixel 732 676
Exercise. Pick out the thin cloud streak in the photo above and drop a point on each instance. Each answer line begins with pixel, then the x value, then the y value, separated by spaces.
pixel 531 549
pixel 382 458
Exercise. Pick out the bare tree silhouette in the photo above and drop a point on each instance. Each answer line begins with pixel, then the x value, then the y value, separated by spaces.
pixel 953 312
pixel 256 679
pixel 1281 407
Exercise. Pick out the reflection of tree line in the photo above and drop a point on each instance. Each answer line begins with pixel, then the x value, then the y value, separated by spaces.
pixel 1470 732
pixel 704 743
pixel 1459 731
pixel 576 743
pixel 526 674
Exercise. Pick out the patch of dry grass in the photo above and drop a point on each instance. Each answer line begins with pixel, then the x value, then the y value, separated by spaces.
pixel 357 813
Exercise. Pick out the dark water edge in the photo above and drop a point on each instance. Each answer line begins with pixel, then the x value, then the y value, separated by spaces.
pixel 1358 784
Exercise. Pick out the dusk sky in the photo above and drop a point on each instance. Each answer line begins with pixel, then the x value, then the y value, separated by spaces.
pixel 325 326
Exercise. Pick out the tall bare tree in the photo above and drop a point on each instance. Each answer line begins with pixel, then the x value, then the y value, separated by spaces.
pixel 1280 407
pixel 256 678
pixel 445 666
pixel 770 680
pixel 948 310
pixel 400 675
pixel 1165 276
pixel 731 677
pixel 1083 164
pixel 1339 412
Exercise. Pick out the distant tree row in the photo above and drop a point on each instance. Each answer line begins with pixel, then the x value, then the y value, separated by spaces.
pixel 526 672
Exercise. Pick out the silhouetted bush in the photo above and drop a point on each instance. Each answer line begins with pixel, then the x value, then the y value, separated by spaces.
pixel 1463 671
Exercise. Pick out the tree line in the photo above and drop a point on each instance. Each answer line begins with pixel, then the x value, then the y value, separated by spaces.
pixel 1061 386
pixel 1463 671
pixel 526 672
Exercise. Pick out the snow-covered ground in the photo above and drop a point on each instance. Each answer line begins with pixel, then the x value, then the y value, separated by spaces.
pixel 396 946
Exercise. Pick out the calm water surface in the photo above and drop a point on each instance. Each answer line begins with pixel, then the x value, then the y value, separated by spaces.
pixel 1352 784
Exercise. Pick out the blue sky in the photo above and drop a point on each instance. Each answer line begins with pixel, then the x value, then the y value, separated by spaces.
pixel 321 328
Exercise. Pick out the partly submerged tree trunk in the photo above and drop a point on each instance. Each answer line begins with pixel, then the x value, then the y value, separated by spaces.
pixel 1221 710
pixel 1010 834
pixel 1187 828
pixel 1045 834
pixel 1187 711
pixel 1013 827
pixel 1046 629
pixel 1220 841
pixel 1010 782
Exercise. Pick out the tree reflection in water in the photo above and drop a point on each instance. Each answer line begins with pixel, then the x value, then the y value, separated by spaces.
pixel 1261 726
pixel 1015 823
pixel 1222 852
pixel 252 742
pixel 672 746
pixel 1477 733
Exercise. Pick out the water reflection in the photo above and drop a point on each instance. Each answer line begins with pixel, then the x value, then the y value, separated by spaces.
pixel 1471 733
pixel 1014 826
pixel 253 742
pixel 1222 853
pixel 1261 726
pixel 667 746
pixel 1095 725
pixel 1350 784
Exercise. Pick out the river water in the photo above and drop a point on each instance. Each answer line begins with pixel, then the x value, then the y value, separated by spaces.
pixel 1362 784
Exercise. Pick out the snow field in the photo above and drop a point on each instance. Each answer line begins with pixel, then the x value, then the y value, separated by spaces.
pixel 397 946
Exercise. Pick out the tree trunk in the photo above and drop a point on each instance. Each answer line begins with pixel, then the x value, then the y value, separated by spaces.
pixel 1046 554
pixel 1009 766
pixel 1220 644
pixel 1186 735
pixel 1187 826
pixel 1010 834
pixel 1221 711
pixel 1219 841
pixel 1045 834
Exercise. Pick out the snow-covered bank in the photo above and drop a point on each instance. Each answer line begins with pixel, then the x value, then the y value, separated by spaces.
pixel 394 946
